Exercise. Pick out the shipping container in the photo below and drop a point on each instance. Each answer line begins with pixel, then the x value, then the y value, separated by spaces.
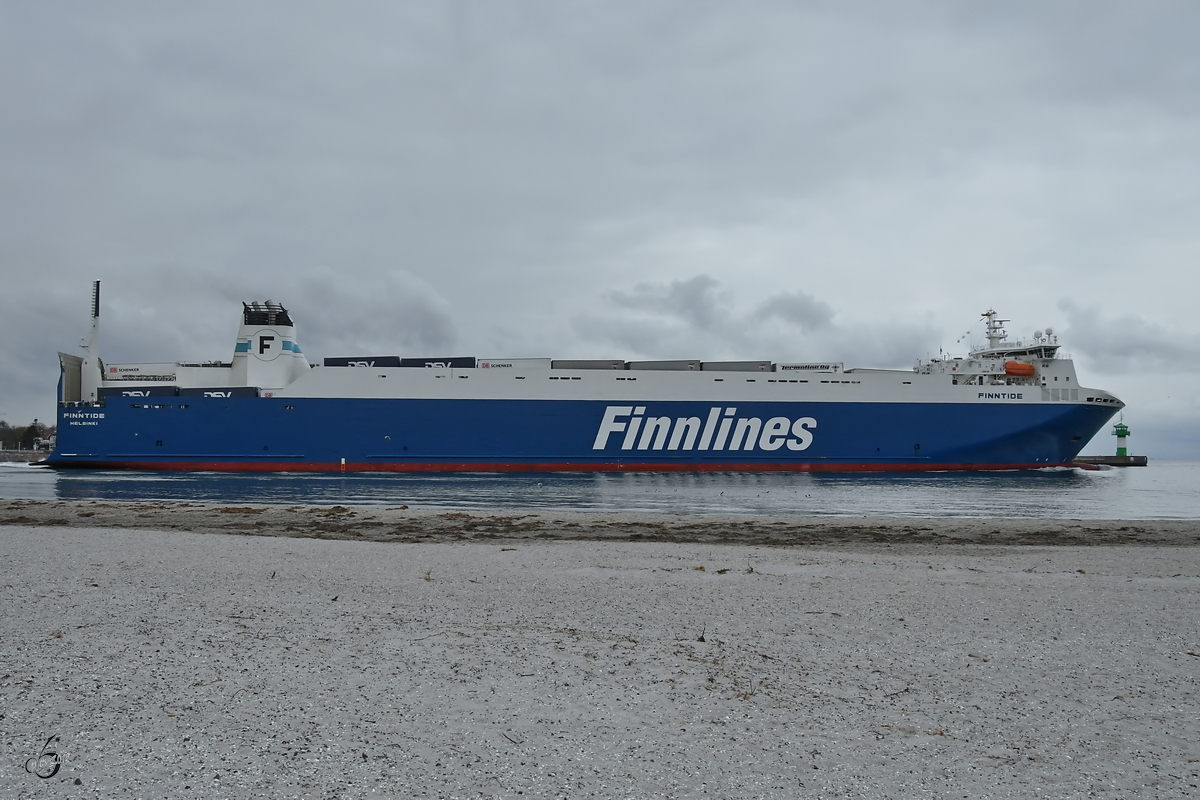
pixel 137 391
pixel 451 362
pixel 587 363
pixel 738 366
pixel 514 363
pixel 221 391
pixel 683 365
pixel 810 367
pixel 363 361
pixel 117 372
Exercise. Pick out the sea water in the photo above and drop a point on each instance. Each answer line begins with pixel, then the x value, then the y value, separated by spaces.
pixel 1163 490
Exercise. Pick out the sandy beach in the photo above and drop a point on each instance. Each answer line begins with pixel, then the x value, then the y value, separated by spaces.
pixel 402 524
pixel 364 652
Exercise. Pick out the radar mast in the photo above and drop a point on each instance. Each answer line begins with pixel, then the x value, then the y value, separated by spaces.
pixel 995 329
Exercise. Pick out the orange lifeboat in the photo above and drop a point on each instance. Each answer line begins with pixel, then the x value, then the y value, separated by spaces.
pixel 1018 370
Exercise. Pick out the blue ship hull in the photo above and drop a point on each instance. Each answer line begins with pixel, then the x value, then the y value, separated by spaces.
pixel 402 434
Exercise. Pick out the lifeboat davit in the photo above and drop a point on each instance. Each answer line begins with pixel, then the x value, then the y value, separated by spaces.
pixel 1018 369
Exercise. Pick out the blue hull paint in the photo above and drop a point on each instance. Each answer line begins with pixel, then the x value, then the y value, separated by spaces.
pixel 400 434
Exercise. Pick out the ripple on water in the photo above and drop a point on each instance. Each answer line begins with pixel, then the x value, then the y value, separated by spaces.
pixel 1164 490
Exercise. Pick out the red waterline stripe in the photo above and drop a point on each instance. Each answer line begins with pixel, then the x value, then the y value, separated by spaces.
pixel 549 466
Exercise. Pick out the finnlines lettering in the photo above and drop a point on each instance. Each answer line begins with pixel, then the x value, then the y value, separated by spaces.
pixel 720 431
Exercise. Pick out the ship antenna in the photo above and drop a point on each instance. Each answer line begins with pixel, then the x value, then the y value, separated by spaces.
pixel 995 329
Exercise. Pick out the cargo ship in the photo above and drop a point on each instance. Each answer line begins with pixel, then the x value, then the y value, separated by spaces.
pixel 1005 405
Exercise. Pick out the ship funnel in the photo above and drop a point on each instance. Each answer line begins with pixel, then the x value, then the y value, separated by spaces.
pixel 266 354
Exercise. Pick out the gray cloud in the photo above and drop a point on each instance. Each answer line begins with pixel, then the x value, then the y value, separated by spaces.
pixel 1128 343
pixel 696 302
pixel 522 165
pixel 800 309
pixel 396 313
pixel 699 317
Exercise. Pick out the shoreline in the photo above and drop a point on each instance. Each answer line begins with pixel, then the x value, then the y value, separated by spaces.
pixel 400 524
pixel 22 456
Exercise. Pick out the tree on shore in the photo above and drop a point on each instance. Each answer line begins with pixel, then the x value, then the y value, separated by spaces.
pixel 20 438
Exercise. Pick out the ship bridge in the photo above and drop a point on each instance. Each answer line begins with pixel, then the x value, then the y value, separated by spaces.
pixel 1030 362
pixel 1044 344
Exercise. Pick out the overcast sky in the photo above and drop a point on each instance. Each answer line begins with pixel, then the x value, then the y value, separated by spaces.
pixel 824 180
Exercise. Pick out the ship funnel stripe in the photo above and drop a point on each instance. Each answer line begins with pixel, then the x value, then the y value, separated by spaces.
pixel 244 347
